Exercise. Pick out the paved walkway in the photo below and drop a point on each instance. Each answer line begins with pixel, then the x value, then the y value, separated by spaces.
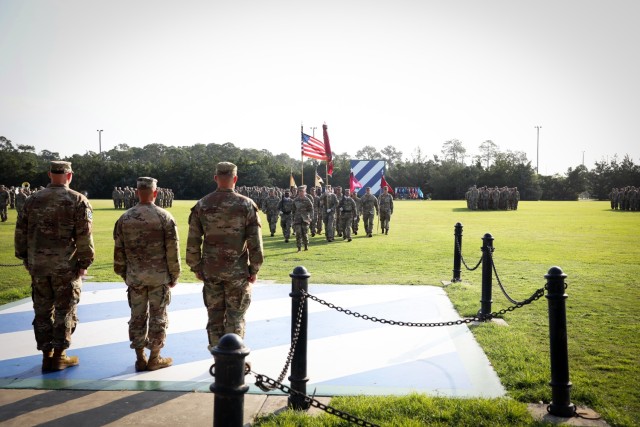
pixel 346 355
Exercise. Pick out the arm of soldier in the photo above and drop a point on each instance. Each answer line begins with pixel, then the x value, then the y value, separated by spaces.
pixel 119 254
pixel 84 239
pixel 172 245
pixel 194 243
pixel 253 235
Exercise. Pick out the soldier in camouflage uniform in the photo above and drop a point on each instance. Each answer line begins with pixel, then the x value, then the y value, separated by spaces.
pixel 339 197
pixel 53 238
pixel 386 209
pixel 347 207
pixel 369 204
pixel 356 215
pixel 147 256
pixel 224 250
pixel 285 207
pixel 4 201
pixel 270 207
pixel 317 212
pixel 302 212
pixel 21 198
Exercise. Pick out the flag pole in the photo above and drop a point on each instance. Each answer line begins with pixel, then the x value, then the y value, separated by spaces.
pixel 301 157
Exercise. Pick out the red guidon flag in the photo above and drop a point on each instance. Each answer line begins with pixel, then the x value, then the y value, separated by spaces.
pixel 327 149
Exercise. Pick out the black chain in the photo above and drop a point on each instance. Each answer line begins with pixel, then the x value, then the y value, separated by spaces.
pixel 478 318
pixel 493 265
pixel 462 258
pixel 294 341
pixel 265 383
pixel 11 265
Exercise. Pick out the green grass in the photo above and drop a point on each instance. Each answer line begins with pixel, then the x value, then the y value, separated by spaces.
pixel 597 248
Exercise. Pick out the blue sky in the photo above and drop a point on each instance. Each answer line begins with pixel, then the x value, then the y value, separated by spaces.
pixel 403 73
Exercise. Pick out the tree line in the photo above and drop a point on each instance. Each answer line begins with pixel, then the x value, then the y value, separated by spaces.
pixel 188 170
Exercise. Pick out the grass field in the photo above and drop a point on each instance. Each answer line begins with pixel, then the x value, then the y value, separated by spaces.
pixel 598 249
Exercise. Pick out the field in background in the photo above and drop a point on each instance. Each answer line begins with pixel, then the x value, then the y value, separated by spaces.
pixel 597 248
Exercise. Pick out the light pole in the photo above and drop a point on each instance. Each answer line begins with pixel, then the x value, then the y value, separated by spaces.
pixel 538 149
pixel 100 140
pixel 582 157
pixel 313 131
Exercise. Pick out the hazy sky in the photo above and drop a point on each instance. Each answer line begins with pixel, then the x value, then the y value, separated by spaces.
pixel 407 73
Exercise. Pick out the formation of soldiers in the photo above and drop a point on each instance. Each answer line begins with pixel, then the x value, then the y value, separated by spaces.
pixel 335 211
pixel 14 198
pixel 126 198
pixel 495 198
pixel 625 199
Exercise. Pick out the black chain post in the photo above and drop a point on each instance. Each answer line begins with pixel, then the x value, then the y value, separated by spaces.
pixel 457 252
pixel 561 405
pixel 228 386
pixel 487 274
pixel 298 379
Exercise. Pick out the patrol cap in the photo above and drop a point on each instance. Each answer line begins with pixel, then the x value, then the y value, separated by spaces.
pixel 58 166
pixel 226 168
pixel 146 182
pixel 302 187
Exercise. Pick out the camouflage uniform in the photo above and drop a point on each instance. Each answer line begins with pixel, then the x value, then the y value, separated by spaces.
pixel 369 204
pixel 356 215
pixel 317 212
pixel 4 201
pixel 53 238
pixel 270 207
pixel 386 210
pixel 21 198
pixel 347 209
pixel 285 207
pixel 225 248
pixel 338 220
pixel 147 256
pixel 331 206
pixel 302 212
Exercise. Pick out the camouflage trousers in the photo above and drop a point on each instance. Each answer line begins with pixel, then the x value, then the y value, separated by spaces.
pixel 385 217
pixel 55 303
pixel 367 218
pixel 302 234
pixel 272 219
pixel 355 225
pixel 149 321
pixel 3 212
pixel 329 224
pixel 226 301
pixel 346 221
pixel 317 223
pixel 285 223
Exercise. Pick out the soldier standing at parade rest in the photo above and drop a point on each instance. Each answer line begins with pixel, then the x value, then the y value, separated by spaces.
pixel 21 197
pixel 347 208
pixel 302 212
pixel 386 209
pixel 331 205
pixel 369 204
pixel 270 207
pixel 147 256
pixel 4 201
pixel 284 207
pixel 53 238
pixel 224 250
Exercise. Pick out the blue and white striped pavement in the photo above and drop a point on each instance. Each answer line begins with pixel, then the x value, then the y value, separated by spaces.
pixel 346 355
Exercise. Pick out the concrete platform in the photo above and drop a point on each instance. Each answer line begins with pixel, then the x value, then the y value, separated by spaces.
pixel 346 355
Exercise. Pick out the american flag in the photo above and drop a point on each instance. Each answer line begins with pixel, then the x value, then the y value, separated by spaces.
pixel 314 148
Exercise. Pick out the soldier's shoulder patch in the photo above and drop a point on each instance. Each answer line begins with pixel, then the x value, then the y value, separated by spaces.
pixel 89 214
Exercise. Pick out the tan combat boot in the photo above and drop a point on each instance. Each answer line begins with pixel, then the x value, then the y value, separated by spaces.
pixel 46 360
pixel 141 360
pixel 158 362
pixel 60 360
